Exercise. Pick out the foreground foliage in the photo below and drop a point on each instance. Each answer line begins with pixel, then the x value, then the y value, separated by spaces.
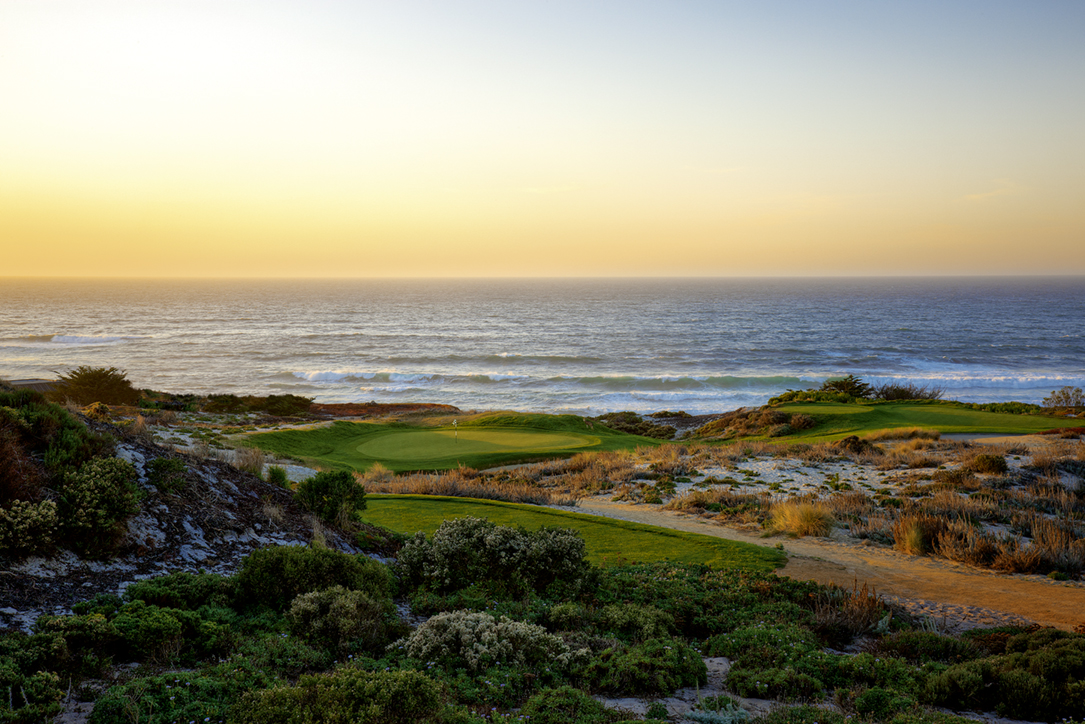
pixel 310 635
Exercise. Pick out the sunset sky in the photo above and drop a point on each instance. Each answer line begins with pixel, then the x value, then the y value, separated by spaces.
pixel 548 138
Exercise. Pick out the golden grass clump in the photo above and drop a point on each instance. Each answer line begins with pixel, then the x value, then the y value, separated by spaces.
pixel 801 518
pixel 915 533
pixel 849 506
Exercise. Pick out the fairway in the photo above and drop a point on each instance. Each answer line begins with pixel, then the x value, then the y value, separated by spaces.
pixel 425 445
pixel 837 420
pixel 607 540
pixel 478 441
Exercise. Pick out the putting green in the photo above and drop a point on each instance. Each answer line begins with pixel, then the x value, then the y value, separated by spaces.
pixel 480 441
pixel 441 443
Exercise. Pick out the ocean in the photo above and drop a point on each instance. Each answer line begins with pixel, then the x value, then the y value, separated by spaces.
pixel 585 346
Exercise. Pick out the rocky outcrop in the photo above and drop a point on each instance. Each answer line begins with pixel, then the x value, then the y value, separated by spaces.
pixel 210 522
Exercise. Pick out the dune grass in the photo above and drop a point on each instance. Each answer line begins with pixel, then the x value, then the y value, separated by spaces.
pixel 836 420
pixel 608 540
pixel 478 441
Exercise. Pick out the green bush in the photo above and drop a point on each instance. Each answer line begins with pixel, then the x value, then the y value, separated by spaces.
pixel 922 646
pixel 335 496
pixel 167 474
pixel 805 714
pixel 39 443
pixel 85 385
pixel 28 528
pixel 346 695
pixel 879 704
pixel 850 385
pixel 181 590
pixel 204 695
pixel 95 503
pixel 636 622
pixel 30 698
pixel 566 705
pixel 656 666
pixel 345 620
pixel 276 576
pixel 1065 397
pixel 1038 678
pixel 466 551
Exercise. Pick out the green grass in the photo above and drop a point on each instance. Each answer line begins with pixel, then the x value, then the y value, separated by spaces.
pixel 837 420
pixel 478 442
pixel 607 540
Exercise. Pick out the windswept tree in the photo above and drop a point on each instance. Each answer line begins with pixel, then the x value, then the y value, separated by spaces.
pixel 85 385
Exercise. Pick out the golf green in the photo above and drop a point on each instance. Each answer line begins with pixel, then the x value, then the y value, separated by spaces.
pixel 480 441
pixel 425 445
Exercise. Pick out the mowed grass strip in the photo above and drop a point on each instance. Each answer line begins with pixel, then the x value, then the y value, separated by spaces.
pixel 835 421
pixel 479 441
pixel 607 540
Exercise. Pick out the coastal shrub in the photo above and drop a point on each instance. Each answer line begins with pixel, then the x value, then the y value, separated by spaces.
pixel 849 385
pixel 566 705
pixel 466 551
pixel 85 385
pixel 1067 396
pixel 922 646
pixel 476 641
pixel 654 667
pixel 346 695
pixel 36 435
pixel 636 622
pixel 276 405
pixel 275 576
pixel 880 704
pixel 341 619
pixel 907 391
pixel 334 496
pixel 1039 677
pixel 805 714
pixel 183 590
pixel 167 474
pixel 207 694
pixel 811 396
pixel 95 503
pixel 30 698
pixel 152 632
pixel 632 423
pixel 27 528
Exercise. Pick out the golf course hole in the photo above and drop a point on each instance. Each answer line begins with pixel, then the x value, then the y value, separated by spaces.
pixel 441 443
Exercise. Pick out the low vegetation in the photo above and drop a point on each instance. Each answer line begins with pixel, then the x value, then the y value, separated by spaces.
pixel 311 635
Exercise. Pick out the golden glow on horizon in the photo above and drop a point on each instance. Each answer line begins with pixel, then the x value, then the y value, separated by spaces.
pixel 253 139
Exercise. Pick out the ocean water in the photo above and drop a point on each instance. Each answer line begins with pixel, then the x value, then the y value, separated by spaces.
pixel 556 345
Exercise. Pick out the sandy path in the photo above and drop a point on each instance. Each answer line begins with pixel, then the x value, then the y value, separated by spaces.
pixel 965 596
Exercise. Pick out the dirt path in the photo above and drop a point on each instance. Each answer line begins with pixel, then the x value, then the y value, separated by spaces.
pixel 961 595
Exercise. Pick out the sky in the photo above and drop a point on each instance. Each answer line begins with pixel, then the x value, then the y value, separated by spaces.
pixel 557 138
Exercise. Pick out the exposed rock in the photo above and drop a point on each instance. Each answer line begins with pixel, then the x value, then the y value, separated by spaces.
pixel 211 523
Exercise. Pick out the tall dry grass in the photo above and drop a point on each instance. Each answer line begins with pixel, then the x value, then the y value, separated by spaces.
pixel 801 518
pixel 700 500
pixel 249 460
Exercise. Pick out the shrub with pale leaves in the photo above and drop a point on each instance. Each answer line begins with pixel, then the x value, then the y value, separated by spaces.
pixel 478 641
